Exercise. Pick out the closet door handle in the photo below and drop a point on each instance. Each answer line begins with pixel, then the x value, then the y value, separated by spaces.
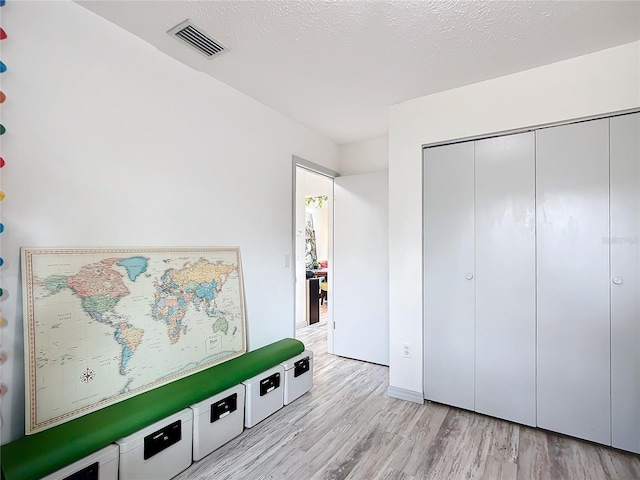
pixel 617 280
pixel 469 276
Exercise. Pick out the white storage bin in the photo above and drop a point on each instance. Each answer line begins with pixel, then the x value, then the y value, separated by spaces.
pixel 217 420
pixel 298 376
pixel 159 451
pixel 264 395
pixel 102 465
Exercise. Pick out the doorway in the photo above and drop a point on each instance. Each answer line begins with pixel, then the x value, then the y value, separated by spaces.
pixel 313 245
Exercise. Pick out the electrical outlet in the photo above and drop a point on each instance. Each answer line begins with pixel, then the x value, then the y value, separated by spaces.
pixel 406 350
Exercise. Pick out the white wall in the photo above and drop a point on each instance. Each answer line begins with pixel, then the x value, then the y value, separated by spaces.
pixel 111 142
pixel 602 82
pixel 367 156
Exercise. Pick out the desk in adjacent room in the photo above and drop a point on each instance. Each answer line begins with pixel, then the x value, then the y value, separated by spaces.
pixel 313 297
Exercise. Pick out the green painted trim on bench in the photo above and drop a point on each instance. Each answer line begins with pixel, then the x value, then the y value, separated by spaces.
pixel 34 456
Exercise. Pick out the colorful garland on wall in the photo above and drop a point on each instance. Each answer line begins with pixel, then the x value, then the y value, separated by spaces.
pixel 3 130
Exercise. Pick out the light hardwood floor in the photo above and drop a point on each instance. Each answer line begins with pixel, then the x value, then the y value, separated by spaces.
pixel 347 428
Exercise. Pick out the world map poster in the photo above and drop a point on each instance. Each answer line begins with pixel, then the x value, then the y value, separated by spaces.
pixel 104 324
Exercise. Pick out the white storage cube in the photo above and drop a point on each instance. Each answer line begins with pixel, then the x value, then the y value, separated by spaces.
pixel 298 376
pixel 102 465
pixel 217 420
pixel 264 395
pixel 159 451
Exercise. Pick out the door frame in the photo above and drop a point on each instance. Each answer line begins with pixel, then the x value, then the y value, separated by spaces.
pixel 298 162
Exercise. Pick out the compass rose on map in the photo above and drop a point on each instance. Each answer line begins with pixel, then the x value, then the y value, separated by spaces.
pixel 87 375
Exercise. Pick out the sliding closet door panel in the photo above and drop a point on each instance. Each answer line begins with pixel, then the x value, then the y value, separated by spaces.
pixel 573 280
pixel 505 278
pixel 449 315
pixel 625 282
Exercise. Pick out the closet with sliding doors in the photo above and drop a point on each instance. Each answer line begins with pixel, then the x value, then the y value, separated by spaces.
pixel 532 278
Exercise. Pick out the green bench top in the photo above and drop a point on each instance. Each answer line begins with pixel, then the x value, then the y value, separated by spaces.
pixel 37 455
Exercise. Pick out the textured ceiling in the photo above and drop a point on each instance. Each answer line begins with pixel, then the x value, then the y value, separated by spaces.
pixel 337 66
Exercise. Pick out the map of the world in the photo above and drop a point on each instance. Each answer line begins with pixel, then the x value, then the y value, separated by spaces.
pixel 104 324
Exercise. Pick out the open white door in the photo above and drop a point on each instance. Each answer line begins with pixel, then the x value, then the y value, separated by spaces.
pixel 359 289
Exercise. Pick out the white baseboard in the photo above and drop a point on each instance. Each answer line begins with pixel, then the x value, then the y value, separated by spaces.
pixel 403 394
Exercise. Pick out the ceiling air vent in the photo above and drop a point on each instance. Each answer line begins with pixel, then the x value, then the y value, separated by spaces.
pixel 190 34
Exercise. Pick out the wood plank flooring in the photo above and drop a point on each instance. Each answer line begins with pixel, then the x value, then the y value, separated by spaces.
pixel 347 428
